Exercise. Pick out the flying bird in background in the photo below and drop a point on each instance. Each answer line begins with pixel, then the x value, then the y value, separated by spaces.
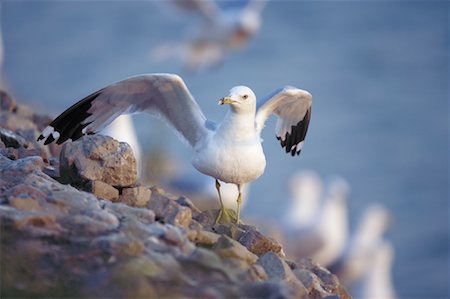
pixel 219 32
pixel 229 151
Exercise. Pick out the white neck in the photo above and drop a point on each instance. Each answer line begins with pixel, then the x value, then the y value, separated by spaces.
pixel 238 126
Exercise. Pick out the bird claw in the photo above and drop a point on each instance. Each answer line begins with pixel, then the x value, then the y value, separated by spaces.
pixel 226 216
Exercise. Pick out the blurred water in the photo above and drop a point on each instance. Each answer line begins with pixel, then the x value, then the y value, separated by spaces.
pixel 378 71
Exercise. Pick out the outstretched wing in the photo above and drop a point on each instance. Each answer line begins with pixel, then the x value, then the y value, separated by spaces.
pixel 164 95
pixel 293 108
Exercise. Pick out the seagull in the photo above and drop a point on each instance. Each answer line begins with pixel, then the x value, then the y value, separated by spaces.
pixel 229 151
pixel 325 236
pixel 377 281
pixel 305 190
pixel 357 258
pixel 220 31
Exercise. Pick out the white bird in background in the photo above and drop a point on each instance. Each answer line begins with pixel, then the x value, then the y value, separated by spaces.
pixel 229 151
pixel 325 235
pixel 221 31
pixel 358 256
pixel 377 281
pixel 122 129
pixel 305 190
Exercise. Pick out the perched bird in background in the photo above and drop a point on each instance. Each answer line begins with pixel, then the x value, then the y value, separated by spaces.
pixel 122 129
pixel 377 280
pixel 325 235
pixel 305 190
pixel 229 151
pixel 358 256
pixel 219 32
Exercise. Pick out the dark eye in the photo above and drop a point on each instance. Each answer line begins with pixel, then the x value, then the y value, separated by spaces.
pixel 245 97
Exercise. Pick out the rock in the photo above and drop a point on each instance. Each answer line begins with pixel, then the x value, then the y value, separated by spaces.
pixel 11 139
pixel 144 216
pixel 136 197
pixel 277 269
pixel 270 289
pixel 324 283
pixel 260 244
pixel 102 190
pixel 306 278
pixel 229 248
pixel 79 245
pixel 98 158
pixel 186 202
pixel 23 153
pixel 205 238
pixel 168 210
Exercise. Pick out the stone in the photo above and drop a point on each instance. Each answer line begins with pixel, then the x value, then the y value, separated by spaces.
pixel 270 289
pixel 23 153
pixel 98 158
pixel 136 196
pixel 306 278
pixel 122 210
pixel 258 243
pixel 81 246
pixel 276 268
pixel 168 210
pixel 102 190
pixel 229 248
pixel 11 139
pixel 205 238
pixel 10 153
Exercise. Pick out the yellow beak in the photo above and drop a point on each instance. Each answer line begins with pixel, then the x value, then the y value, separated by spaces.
pixel 225 100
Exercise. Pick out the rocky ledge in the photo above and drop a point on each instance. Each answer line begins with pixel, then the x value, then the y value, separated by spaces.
pixel 81 226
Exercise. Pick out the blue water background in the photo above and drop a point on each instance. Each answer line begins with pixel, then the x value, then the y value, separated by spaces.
pixel 378 71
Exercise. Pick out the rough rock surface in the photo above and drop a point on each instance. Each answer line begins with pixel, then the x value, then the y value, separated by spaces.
pixel 98 158
pixel 61 241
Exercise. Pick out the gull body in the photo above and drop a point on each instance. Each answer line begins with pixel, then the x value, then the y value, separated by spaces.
pixel 229 151
pixel 233 152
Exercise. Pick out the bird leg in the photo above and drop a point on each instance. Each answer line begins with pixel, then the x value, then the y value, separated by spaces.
pixel 239 201
pixel 224 213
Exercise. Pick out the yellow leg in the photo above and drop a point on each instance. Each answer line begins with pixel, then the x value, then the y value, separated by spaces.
pixel 239 201
pixel 225 215
pixel 221 203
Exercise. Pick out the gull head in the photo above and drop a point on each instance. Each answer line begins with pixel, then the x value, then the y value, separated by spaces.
pixel 241 100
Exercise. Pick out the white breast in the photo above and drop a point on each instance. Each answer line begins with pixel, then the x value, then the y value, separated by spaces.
pixel 230 161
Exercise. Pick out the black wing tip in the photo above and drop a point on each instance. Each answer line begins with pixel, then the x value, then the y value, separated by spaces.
pixel 297 135
pixel 69 124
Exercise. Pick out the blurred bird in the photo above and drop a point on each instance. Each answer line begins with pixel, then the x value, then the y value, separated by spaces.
pixel 358 256
pixel 220 31
pixel 122 129
pixel 377 280
pixel 324 235
pixel 305 189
